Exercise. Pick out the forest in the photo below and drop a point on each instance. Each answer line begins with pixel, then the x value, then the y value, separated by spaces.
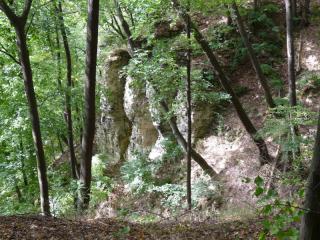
pixel 160 119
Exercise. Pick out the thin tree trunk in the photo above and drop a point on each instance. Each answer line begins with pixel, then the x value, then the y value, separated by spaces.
pixel 33 108
pixel 290 54
pixel 90 111
pixel 189 115
pixel 60 143
pixel 306 12
pixel 116 26
pixel 18 191
pixel 294 8
pixel 264 155
pixel 22 161
pixel 183 143
pixel 58 58
pixel 229 18
pixel 291 69
pixel 19 23
pixel 310 223
pixel 73 160
pixel 254 60
pixel 125 26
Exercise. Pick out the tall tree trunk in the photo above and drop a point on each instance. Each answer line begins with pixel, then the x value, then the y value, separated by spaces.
pixel 290 54
pixel 90 111
pixel 34 115
pixel 254 60
pixel 291 70
pixel 73 160
pixel 58 58
pixel 189 115
pixel 310 223
pixel 264 155
pixel 19 23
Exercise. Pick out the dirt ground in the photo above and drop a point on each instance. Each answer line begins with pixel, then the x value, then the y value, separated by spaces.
pixel 37 227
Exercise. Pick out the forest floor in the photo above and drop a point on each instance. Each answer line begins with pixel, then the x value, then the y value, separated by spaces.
pixel 37 227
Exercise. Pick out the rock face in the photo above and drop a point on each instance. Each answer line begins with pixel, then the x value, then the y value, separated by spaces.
pixel 114 130
pixel 130 119
pixel 126 125
pixel 203 115
pixel 144 133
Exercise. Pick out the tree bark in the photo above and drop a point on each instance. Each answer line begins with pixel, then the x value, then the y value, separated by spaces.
pixel 18 191
pixel 68 99
pixel 306 12
pixel 90 111
pixel 290 54
pixel 254 60
pixel 291 70
pixel 22 161
pixel 19 23
pixel 58 58
pixel 33 109
pixel 310 223
pixel 189 115
pixel 260 143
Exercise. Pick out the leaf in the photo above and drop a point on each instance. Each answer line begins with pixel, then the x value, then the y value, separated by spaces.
pixel 258 181
pixel 259 191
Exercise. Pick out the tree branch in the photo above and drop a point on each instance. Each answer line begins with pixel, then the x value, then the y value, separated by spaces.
pixel 8 11
pixel 26 10
pixel 8 54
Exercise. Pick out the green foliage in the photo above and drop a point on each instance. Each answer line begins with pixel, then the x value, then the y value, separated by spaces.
pixel 172 195
pixel 282 120
pixel 204 188
pixel 280 215
pixel 141 174
pixel 272 75
pixel 172 151
pixel 309 79
pixel 222 37
pixel 262 18
pixel 123 233
pixel 137 173
pixel 161 178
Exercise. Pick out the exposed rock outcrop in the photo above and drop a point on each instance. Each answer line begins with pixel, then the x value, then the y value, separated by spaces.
pixel 144 133
pixel 115 128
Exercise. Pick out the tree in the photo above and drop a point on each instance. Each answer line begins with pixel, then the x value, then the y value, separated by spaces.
pixel 291 71
pixel 248 125
pixel 189 114
pixel 254 60
pixel 290 54
pixel 19 24
pixel 68 115
pixel 125 26
pixel 305 12
pixel 310 223
pixel 90 111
